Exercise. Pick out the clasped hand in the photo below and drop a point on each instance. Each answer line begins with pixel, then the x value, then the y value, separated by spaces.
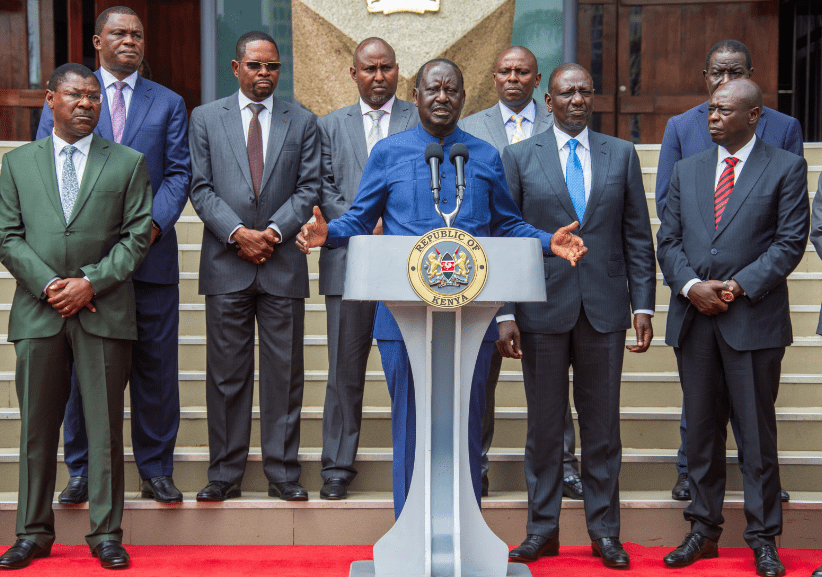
pixel 254 245
pixel 705 296
pixel 67 296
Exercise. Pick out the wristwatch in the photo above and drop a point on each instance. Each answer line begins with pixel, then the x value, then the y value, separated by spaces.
pixel 727 295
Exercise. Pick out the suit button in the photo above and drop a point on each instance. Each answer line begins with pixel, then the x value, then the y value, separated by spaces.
pixel 713 251
pixel 68 233
pixel 443 175
pixel 445 201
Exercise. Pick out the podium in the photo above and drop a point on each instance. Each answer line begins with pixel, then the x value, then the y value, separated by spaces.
pixel 441 531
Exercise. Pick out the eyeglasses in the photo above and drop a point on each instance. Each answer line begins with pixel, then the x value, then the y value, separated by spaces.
pixel 75 96
pixel 255 66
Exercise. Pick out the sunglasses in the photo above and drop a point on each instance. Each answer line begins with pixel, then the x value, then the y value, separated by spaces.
pixel 255 66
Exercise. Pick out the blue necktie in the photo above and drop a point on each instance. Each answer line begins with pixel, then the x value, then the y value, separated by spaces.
pixel 575 180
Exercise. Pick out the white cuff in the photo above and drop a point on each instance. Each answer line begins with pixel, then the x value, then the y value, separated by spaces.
pixel 688 286
pixel 230 239
pixel 502 318
pixel 277 230
pixel 644 311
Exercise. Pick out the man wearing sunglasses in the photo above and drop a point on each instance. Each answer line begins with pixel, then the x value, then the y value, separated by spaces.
pixel 255 176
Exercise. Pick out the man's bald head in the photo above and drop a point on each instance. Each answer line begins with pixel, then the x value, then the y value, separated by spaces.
pixel 562 68
pixel 373 42
pixel 375 71
pixel 520 52
pixel 745 91
pixel 515 77
pixel 734 112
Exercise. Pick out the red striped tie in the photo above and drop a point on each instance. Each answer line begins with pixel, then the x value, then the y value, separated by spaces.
pixel 724 189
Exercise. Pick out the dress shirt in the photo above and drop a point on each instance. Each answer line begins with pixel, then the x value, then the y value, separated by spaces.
pixel 583 152
pixel 128 89
pixel 742 156
pixel 265 124
pixel 384 121
pixel 529 113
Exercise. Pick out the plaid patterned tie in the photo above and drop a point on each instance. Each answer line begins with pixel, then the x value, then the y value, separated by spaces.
pixel 255 147
pixel 118 112
pixel 724 189
pixel 374 135
pixel 575 179
pixel 70 188
pixel 519 133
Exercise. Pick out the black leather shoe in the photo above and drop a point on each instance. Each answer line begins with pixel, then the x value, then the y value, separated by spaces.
pixel 334 489
pixel 290 491
pixel 162 490
pixel 484 490
pixel 682 489
pixel 612 552
pixel 692 548
pixel 534 547
pixel 219 491
pixel 817 572
pixel 784 495
pixel 21 554
pixel 572 487
pixel 76 491
pixel 112 555
pixel 767 562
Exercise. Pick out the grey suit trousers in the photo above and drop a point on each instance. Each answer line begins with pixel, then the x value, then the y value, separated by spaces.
pixel 230 321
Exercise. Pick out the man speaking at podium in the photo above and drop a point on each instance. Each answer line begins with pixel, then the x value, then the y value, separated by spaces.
pixel 396 186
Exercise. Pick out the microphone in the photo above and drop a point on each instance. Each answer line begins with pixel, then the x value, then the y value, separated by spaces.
pixel 434 156
pixel 459 156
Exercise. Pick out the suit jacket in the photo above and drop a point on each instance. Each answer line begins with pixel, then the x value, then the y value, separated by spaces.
pixel 619 271
pixel 487 125
pixel 106 237
pixel 760 240
pixel 687 134
pixel 816 231
pixel 156 125
pixel 344 154
pixel 223 195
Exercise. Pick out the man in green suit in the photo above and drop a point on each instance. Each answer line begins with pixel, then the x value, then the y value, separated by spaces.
pixel 75 222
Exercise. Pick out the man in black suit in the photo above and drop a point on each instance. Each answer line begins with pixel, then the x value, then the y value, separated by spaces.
pixel 347 136
pixel 573 171
pixel 735 226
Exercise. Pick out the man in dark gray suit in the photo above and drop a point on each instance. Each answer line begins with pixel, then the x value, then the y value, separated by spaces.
pixel 514 118
pixel 573 171
pixel 347 136
pixel 256 174
pixel 735 226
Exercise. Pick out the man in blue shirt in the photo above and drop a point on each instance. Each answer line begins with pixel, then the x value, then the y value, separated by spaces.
pixel 396 186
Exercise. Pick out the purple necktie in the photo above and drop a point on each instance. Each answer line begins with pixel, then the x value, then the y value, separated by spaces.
pixel 255 147
pixel 118 112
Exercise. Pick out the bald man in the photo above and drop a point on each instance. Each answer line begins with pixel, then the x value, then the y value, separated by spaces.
pixel 347 136
pixel 516 117
pixel 737 214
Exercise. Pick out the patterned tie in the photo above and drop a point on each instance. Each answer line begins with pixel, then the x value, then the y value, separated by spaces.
pixel 575 180
pixel 255 147
pixel 68 193
pixel 118 112
pixel 724 189
pixel 519 133
pixel 374 135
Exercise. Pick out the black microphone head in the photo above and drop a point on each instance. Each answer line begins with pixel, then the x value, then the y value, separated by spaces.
pixel 434 150
pixel 459 149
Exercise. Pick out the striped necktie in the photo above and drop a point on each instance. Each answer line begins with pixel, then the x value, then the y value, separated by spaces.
pixel 254 147
pixel 374 135
pixel 519 133
pixel 724 189
pixel 118 112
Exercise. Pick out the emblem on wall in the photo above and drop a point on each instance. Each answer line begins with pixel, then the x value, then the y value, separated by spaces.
pixel 447 268
pixel 392 6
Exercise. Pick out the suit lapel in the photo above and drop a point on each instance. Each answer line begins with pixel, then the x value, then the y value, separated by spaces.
pixel 763 121
pixel 706 189
pixel 548 159
pixel 138 108
pixel 280 121
pixel 356 134
pixel 751 171
pixel 496 127
pixel 600 164
pixel 48 174
pixel 97 157
pixel 104 124
pixel 703 125
pixel 542 121
pixel 398 119
pixel 233 124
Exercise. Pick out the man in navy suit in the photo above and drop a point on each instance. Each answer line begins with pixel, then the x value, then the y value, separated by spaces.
pixel 151 119
pixel 686 135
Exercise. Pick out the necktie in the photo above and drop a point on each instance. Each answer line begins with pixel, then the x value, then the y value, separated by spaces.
pixel 118 112
pixel 724 189
pixel 374 135
pixel 255 147
pixel 519 133
pixel 68 193
pixel 575 180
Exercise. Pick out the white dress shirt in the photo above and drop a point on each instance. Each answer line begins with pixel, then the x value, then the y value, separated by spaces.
pixel 384 121
pixel 128 89
pixel 742 156
pixel 529 113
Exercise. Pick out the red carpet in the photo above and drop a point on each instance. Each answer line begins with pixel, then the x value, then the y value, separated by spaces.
pixel 299 561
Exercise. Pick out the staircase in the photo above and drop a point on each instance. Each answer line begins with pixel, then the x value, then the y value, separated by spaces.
pixel 650 409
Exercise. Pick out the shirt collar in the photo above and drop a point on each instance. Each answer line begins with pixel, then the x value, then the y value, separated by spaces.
pixel 426 136
pixel 245 101
pixel 563 138
pixel 742 154
pixel 83 145
pixel 529 113
pixel 365 108
pixel 109 79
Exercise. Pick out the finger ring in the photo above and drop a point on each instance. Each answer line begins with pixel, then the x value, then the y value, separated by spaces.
pixel 262 259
